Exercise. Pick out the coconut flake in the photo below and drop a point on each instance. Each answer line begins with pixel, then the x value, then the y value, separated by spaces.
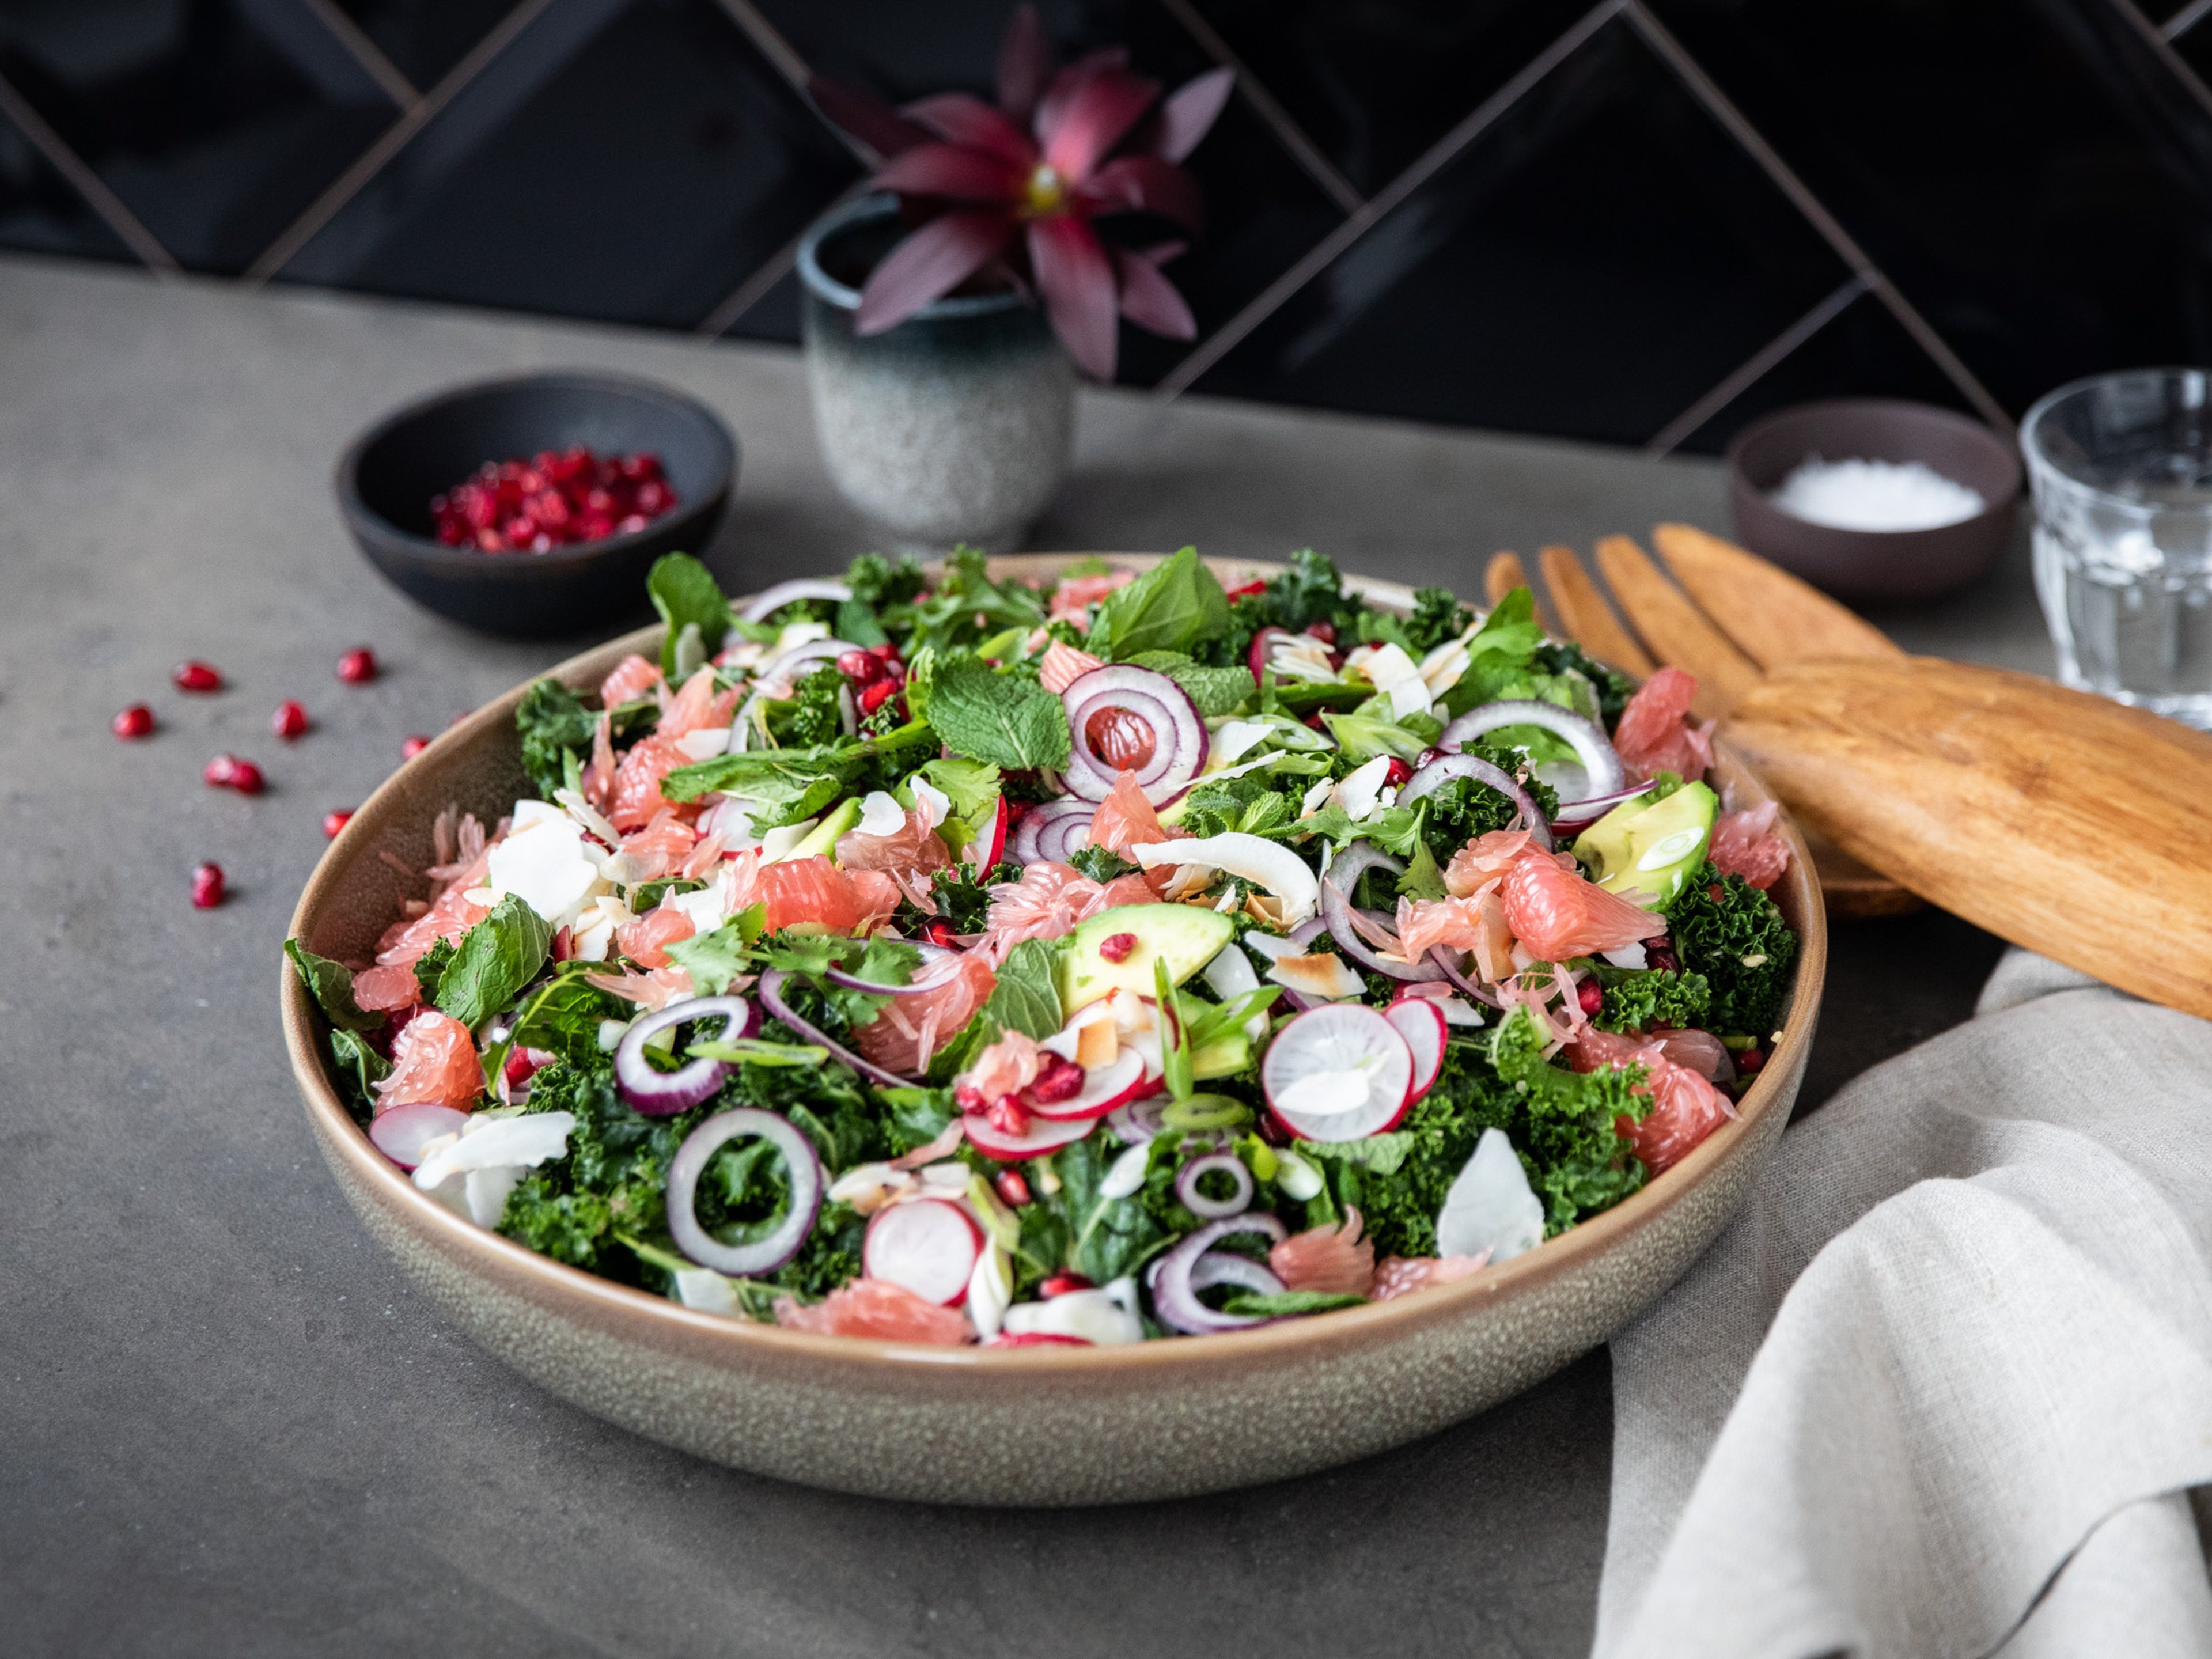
pixel 1265 863
pixel 1489 1206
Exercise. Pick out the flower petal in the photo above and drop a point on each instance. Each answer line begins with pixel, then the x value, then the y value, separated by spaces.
pixel 869 119
pixel 961 118
pixel 1025 63
pixel 1145 182
pixel 1053 107
pixel 1187 113
pixel 953 171
pixel 1098 118
pixel 1151 302
pixel 932 262
pixel 1077 281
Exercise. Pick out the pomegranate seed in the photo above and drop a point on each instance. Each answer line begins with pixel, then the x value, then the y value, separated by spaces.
pixel 289 721
pixel 886 651
pixel 134 721
pixel 1750 1061
pixel 1116 947
pixel 207 886
pixel 1325 632
pixel 1060 1080
pixel 1396 773
pixel 877 696
pixel 1591 997
pixel 521 1066
pixel 410 747
pixel 967 1098
pixel 860 666
pixel 940 932
pixel 1428 755
pixel 229 772
pixel 1006 1116
pixel 1012 1188
pixel 564 944
pixel 193 675
pixel 1062 1283
pixel 1660 955
pixel 1249 588
pixel 357 666
pixel 335 820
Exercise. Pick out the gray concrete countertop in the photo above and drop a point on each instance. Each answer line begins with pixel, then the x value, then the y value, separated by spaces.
pixel 227 1425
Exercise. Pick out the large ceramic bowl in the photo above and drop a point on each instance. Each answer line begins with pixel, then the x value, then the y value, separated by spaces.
pixel 1025 1425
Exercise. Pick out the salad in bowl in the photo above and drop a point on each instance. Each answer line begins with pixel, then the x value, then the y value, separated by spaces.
pixel 1114 957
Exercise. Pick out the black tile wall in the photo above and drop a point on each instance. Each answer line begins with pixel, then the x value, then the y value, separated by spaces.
pixel 1642 223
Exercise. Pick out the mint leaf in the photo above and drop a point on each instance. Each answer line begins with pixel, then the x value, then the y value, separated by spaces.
pixel 1285 1304
pixel 495 960
pixel 1027 999
pixel 1510 630
pixel 1217 691
pixel 359 1067
pixel 1171 607
pixel 330 984
pixel 1007 719
pixel 686 595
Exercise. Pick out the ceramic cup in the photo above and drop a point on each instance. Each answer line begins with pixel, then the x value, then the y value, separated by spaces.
pixel 954 426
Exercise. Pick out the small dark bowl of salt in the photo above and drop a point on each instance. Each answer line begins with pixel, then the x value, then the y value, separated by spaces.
pixel 1874 499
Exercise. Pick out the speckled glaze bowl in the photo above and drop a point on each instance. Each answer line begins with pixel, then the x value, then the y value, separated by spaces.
pixel 1048 1426
pixel 956 425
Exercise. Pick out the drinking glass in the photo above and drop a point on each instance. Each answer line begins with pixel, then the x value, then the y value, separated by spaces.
pixel 2120 467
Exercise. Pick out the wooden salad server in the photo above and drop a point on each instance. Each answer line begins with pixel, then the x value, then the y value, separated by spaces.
pixel 2065 822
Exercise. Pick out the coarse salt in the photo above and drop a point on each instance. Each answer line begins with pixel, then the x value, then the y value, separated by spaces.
pixel 1862 495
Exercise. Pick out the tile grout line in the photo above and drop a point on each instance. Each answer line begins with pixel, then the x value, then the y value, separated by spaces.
pixel 1257 310
pixel 395 139
pixel 2162 47
pixel 1754 367
pixel 1288 133
pixel 87 184
pixel 365 51
pixel 1717 104
pixel 769 41
pixel 773 270
pixel 2182 20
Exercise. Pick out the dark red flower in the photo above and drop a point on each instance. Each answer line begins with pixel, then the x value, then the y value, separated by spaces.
pixel 1019 183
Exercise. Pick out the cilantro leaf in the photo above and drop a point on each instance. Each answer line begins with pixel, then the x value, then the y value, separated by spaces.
pixel 1007 719
pixel 970 785
pixel 687 596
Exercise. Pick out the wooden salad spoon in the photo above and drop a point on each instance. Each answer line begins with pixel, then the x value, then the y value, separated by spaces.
pixel 2063 822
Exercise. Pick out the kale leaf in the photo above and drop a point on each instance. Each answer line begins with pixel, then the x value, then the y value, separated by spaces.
pixel 1100 864
pixel 1734 934
pixel 555 725
pixel 1437 616
pixel 1613 687
pixel 1642 999
pixel 969 606
pixel 811 718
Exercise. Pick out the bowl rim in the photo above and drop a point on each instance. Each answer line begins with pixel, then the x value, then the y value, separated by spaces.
pixel 345 477
pixel 2006 451
pixel 482 1249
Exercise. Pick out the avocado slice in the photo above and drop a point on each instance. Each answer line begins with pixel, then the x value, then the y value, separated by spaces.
pixel 822 838
pixel 1183 936
pixel 1654 846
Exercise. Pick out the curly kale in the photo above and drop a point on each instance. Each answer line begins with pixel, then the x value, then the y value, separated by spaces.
pixel 963 898
pixel 812 716
pixel 1466 807
pixel 876 582
pixel 1310 591
pixel 1613 687
pixel 554 725
pixel 1437 616
pixel 1642 999
pixel 1100 866
pixel 1733 934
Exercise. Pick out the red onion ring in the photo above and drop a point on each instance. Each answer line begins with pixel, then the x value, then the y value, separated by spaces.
pixel 1179 740
pixel 1589 811
pixel 1221 1267
pixel 1442 957
pixel 663 1094
pixel 1053 831
pixel 771 996
pixel 932 956
pixel 1213 1209
pixel 769 600
pixel 1443 770
pixel 1337 887
pixel 1174 1297
pixel 1138 1122
pixel 763 1256
pixel 741 728
pixel 1600 762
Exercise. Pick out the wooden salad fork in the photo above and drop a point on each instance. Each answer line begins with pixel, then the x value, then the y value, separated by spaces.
pixel 2065 822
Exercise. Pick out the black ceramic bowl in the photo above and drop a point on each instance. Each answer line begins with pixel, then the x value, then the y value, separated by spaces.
pixel 1874 565
pixel 387 476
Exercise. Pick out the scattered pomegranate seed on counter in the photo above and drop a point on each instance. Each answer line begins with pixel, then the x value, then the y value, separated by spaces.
pixel 193 675
pixel 552 501
pixel 335 820
pixel 134 721
pixel 357 666
pixel 207 886
pixel 230 772
pixel 290 718
pixel 410 747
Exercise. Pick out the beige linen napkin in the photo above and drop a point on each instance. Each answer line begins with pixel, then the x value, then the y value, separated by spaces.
pixel 1941 1388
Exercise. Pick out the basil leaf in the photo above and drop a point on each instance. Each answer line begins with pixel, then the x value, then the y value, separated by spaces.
pixel 497 959
pixel 1171 607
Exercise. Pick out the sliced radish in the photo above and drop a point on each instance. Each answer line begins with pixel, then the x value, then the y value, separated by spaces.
pixel 1045 1135
pixel 402 1133
pixel 1338 1073
pixel 926 1244
pixel 1105 1087
pixel 1422 1024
